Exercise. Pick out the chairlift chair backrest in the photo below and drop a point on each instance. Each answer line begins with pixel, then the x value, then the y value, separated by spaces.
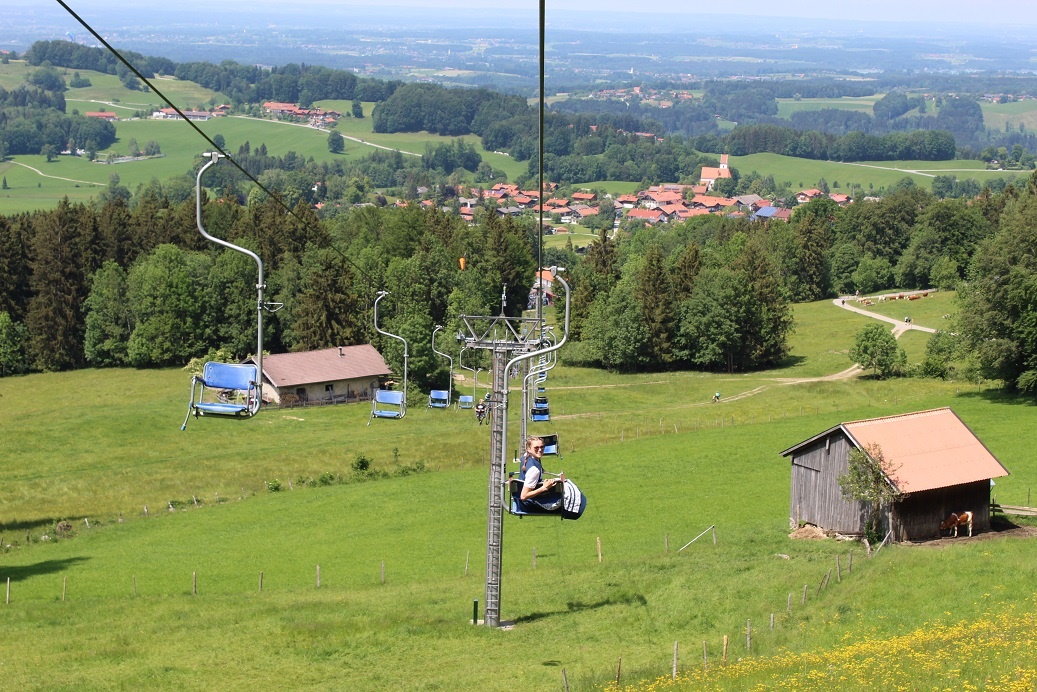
pixel 540 413
pixel 466 401
pixel 438 398
pixel 237 385
pixel 387 403
pixel 550 443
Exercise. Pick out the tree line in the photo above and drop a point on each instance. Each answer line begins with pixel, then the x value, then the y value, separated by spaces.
pixel 133 283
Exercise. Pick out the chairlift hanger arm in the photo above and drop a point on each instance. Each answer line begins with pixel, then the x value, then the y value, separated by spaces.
pixel 533 354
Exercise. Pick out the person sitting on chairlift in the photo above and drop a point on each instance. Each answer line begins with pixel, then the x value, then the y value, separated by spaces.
pixel 480 409
pixel 543 495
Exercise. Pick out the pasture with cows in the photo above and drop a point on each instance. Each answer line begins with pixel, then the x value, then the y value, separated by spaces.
pixel 269 552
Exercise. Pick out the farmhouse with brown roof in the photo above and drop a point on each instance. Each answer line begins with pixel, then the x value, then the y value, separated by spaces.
pixel 328 375
pixel 933 459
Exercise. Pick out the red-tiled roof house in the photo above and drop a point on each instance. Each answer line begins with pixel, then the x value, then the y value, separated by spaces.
pixel 936 462
pixel 327 375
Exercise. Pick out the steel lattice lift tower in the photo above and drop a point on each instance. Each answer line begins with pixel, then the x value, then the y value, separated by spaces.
pixel 511 341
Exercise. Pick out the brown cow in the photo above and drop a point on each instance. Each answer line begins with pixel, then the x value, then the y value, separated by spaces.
pixel 956 520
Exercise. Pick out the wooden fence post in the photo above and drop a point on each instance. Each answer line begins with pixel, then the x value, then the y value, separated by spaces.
pixel 748 635
pixel 64 583
pixel 674 659
pixel 804 602
pixel 705 656
pixel 599 549
pixel 318 576
pixel 467 555
pixel 788 606
pixel 838 571
pixel 194 583
pixel 725 648
pixel 619 669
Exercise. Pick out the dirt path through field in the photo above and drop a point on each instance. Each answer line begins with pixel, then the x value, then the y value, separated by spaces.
pixel 55 177
pixel 844 302
pixel 321 129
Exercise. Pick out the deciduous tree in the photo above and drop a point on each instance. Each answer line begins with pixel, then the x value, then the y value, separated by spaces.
pixel 875 348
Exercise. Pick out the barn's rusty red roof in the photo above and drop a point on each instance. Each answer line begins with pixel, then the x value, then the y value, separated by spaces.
pixel 324 365
pixel 928 449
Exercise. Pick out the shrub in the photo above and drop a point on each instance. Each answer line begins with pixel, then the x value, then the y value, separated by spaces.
pixel 361 464
pixel 273 486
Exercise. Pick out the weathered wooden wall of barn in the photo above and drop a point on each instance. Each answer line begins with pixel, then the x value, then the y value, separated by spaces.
pixel 816 497
pixel 918 516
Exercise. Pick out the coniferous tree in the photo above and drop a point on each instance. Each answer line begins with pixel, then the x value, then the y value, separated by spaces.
pixel 769 315
pixel 15 268
pixel 14 342
pixel 655 294
pixel 327 311
pixel 685 271
pixel 58 282
pixel 813 236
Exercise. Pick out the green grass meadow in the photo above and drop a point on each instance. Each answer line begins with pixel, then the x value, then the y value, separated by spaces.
pixel 787 107
pixel 114 605
pixel 867 175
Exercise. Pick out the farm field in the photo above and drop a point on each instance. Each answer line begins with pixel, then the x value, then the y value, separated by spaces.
pixel 868 175
pixel 787 107
pixel 577 235
pixel 928 311
pixel 401 560
pixel 995 115
pixel 73 177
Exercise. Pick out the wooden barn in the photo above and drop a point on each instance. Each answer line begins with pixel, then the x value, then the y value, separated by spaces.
pixel 936 462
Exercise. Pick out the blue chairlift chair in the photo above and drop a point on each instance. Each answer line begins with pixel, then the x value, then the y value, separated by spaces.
pixel 540 411
pixel 466 401
pixel 524 509
pixel 438 398
pixel 387 404
pixel 550 444
pixel 233 390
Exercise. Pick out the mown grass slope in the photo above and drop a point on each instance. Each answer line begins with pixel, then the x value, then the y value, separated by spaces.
pixel 114 605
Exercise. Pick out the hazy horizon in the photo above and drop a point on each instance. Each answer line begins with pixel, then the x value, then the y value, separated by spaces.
pixel 1010 14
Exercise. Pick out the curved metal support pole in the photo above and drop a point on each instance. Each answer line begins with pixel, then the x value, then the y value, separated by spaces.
pixel 450 382
pixel 475 372
pixel 214 158
pixel 382 294
pixel 526 356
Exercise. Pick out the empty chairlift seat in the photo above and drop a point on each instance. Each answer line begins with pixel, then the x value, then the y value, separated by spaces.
pixel 466 401
pixel 388 404
pixel 540 411
pixel 224 389
pixel 438 398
